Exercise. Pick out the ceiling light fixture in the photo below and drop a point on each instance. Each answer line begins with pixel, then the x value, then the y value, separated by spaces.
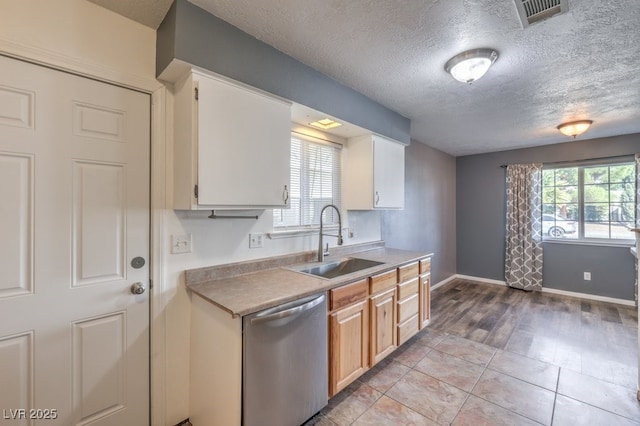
pixel 469 66
pixel 575 128
pixel 325 124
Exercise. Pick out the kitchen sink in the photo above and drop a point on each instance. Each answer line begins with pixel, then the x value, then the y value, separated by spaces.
pixel 339 268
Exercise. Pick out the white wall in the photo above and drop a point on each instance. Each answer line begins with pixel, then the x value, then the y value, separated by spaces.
pixel 87 39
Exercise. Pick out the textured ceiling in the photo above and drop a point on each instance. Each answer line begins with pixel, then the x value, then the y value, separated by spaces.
pixel 582 64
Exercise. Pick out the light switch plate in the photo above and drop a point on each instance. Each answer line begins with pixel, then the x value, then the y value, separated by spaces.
pixel 256 240
pixel 181 244
pixel 587 276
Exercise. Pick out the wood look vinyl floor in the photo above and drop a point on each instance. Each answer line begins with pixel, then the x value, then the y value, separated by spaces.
pixel 499 356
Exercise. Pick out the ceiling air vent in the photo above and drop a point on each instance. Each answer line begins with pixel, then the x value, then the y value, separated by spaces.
pixel 532 11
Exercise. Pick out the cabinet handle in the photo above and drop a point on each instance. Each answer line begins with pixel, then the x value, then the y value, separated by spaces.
pixel 377 198
pixel 285 194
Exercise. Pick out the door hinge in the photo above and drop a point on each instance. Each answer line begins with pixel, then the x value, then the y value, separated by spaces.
pixel 195 89
pixel 195 191
pixel 150 283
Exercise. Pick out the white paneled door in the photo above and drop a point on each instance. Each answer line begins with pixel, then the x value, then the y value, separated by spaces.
pixel 74 241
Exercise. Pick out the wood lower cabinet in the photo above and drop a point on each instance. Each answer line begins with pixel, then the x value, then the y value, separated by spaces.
pixel 348 345
pixel 383 324
pixel 370 318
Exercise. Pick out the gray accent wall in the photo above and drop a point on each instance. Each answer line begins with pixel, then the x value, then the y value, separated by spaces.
pixel 427 222
pixel 480 221
pixel 192 35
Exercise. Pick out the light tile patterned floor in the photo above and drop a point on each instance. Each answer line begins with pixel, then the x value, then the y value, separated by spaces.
pixel 440 379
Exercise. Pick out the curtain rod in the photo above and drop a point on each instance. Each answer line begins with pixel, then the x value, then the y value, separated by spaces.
pixel 504 166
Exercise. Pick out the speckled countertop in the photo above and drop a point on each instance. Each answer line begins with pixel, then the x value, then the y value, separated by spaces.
pixel 247 287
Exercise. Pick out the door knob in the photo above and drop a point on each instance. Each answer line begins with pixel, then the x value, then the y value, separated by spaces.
pixel 138 288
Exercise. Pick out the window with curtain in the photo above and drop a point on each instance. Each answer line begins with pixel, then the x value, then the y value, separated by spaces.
pixel 589 203
pixel 315 182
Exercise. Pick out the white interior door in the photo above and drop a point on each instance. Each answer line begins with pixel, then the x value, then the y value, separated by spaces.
pixel 74 213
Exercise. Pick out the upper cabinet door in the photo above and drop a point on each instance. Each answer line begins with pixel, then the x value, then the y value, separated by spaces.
pixel 388 174
pixel 374 174
pixel 238 146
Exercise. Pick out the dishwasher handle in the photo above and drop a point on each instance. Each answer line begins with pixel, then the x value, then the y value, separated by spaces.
pixel 289 312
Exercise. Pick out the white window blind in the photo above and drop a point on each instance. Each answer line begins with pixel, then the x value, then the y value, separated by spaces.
pixel 315 182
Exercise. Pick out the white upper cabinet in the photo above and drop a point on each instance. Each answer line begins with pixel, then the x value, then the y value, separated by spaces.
pixel 374 173
pixel 232 146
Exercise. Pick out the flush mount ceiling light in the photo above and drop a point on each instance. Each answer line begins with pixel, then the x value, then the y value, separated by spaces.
pixel 469 66
pixel 325 124
pixel 575 128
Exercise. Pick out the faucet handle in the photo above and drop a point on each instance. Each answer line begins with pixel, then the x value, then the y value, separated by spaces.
pixel 326 250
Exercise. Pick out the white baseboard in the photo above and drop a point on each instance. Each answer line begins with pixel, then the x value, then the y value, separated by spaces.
pixel 589 296
pixel 482 280
pixel 545 290
pixel 443 282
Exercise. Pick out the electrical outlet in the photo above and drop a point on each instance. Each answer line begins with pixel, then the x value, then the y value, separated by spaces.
pixel 587 276
pixel 256 240
pixel 181 244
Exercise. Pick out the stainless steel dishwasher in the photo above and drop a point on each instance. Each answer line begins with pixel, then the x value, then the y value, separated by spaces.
pixel 285 371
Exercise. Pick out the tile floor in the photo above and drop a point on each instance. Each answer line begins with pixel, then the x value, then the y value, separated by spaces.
pixel 439 378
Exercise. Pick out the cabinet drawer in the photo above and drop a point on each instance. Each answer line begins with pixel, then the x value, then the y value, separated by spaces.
pixel 408 288
pixel 409 271
pixel 407 329
pixel 408 308
pixel 425 265
pixel 383 281
pixel 348 294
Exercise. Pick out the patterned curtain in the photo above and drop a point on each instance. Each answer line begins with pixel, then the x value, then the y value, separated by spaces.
pixel 523 257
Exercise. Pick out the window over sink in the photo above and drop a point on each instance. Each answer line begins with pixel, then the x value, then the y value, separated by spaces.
pixel 315 182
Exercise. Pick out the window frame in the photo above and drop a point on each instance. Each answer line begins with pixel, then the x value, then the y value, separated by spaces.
pixel 581 222
pixel 284 231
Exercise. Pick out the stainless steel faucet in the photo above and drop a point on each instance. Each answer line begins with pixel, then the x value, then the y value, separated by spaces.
pixel 321 252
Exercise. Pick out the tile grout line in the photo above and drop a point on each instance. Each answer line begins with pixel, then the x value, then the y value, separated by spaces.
pixel 624 416
pixel 412 368
pixel 473 387
pixel 385 392
pixel 405 373
pixel 496 404
pixel 555 398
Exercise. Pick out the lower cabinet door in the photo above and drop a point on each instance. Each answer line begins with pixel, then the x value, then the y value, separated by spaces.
pixel 425 300
pixel 349 345
pixel 383 325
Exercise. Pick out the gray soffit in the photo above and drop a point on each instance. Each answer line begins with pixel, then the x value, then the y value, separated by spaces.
pixel 579 64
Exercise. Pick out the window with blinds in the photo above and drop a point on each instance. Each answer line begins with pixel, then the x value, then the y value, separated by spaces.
pixel 315 182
